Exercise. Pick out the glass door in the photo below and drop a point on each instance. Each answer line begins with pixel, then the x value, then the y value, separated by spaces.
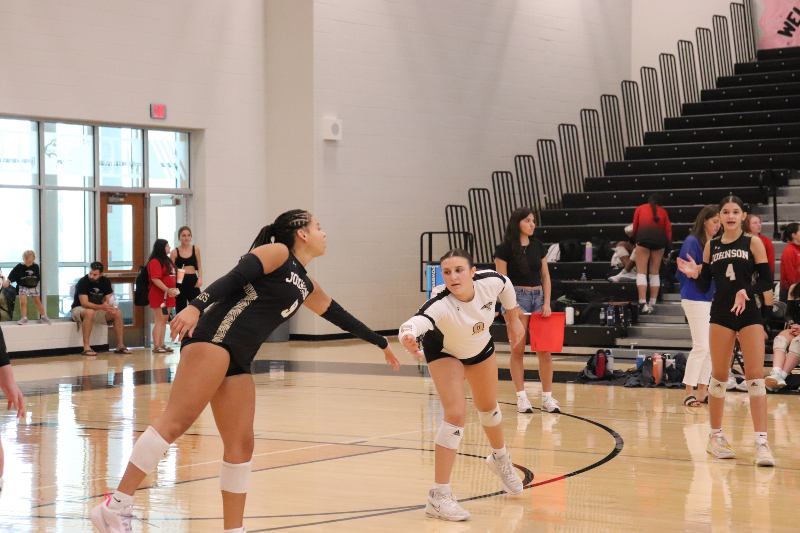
pixel 122 251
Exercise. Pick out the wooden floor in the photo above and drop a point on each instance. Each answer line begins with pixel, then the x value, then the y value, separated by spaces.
pixel 345 445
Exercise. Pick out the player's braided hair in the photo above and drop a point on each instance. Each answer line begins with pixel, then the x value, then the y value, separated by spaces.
pixel 283 229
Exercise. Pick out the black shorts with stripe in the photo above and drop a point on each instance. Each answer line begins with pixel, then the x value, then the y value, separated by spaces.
pixel 241 357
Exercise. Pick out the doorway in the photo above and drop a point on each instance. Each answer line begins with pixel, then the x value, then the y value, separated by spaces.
pixel 122 251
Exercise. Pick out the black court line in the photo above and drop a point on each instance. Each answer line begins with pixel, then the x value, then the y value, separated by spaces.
pixel 527 482
pixel 162 376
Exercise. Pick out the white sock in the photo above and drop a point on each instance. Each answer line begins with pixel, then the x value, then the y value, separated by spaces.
pixel 522 394
pixel 501 452
pixel 442 488
pixel 760 436
pixel 714 432
pixel 235 530
pixel 546 395
pixel 652 302
pixel 120 500
pixel 642 301
pixel 782 373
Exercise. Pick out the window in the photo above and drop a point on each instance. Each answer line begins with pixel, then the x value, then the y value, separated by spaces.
pixel 121 159
pixel 69 225
pixel 168 159
pixel 168 213
pixel 19 152
pixel 68 155
pixel 21 230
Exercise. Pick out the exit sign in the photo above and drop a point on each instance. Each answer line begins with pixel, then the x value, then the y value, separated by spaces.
pixel 158 111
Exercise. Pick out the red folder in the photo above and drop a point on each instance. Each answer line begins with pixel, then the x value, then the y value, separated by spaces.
pixel 547 334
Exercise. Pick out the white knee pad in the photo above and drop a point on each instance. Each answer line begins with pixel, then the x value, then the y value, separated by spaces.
pixel 794 346
pixel 717 389
pixel 235 477
pixel 449 436
pixel 756 388
pixel 641 279
pixel 491 418
pixel 655 280
pixel 149 449
pixel 781 343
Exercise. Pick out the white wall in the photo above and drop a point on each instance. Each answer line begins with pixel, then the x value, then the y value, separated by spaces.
pixel 434 96
pixel 107 60
pixel 657 26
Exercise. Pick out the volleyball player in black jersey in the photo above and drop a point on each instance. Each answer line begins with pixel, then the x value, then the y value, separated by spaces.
pixel 11 391
pixel 262 291
pixel 731 260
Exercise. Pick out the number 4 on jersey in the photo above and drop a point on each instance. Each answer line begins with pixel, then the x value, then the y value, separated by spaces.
pixel 729 273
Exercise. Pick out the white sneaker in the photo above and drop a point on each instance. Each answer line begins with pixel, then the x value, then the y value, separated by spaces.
pixel 550 405
pixel 44 319
pixel 445 507
pixel 524 405
pixel 110 520
pixel 764 455
pixel 742 385
pixel 22 321
pixel 718 447
pixel 731 384
pixel 504 469
pixel 774 381
pixel 623 276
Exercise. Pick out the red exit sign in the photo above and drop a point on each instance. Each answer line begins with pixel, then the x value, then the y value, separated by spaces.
pixel 158 111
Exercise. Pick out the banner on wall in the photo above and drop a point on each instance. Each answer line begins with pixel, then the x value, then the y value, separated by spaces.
pixel 780 24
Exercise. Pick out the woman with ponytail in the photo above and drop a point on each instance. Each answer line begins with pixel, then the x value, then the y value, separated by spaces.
pixel 653 233
pixel 219 343
pixel 161 294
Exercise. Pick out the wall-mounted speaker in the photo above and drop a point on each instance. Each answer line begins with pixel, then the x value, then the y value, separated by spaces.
pixel 331 129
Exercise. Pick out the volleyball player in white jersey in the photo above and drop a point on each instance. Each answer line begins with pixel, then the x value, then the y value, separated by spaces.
pixel 456 342
pixel 733 260
pixel 265 289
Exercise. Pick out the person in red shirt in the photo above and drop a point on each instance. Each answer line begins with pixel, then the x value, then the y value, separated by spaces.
pixel 162 292
pixel 752 225
pixel 790 258
pixel 653 233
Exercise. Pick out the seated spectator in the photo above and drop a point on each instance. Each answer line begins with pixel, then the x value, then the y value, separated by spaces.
pixel 92 305
pixel 790 258
pixel 785 349
pixel 27 277
pixel 624 258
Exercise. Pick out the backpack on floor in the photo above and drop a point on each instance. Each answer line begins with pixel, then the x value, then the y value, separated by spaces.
pixel 141 288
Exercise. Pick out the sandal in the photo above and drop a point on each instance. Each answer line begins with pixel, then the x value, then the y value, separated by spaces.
pixel 124 350
pixel 160 349
pixel 691 401
pixel 88 352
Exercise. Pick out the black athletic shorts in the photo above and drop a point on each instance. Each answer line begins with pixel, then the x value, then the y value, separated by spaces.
pixel 652 244
pixel 241 357
pixel 725 318
pixel 432 346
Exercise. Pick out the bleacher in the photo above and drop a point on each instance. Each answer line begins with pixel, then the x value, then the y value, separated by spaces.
pixel 738 132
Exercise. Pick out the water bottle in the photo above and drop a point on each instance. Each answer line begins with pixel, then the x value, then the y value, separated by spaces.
pixel 569 316
pixel 602 316
pixel 658 368
pixel 609 361
pixel 588 251
pixel 583 276
pixel 610 315
pixel 639 359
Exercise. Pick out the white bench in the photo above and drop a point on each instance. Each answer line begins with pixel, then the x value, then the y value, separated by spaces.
pixel 60 335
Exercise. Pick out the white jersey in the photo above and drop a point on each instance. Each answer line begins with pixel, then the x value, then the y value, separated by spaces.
pixel 464 325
